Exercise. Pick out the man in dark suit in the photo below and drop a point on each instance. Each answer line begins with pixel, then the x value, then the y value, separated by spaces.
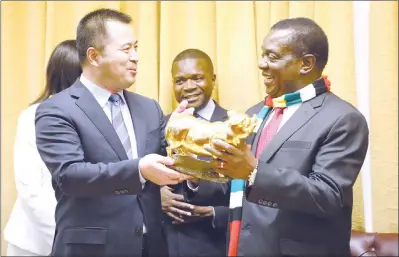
pixel 305 158
pixel 104 146
pixel 200 229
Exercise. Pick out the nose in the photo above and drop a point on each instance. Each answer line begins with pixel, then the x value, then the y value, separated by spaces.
pixel 263 64
pixel 189 84
pixel 134 56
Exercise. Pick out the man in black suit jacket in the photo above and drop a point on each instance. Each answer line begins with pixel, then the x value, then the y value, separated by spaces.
pixel 104 146
pixel 299 189
pixel 196 230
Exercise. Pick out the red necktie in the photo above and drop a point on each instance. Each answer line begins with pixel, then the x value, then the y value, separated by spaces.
pixel 269 130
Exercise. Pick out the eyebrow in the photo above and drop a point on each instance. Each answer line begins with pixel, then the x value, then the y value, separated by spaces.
pixel 130 44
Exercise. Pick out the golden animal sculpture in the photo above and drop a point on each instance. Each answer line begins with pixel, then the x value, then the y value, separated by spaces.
pixel 187 135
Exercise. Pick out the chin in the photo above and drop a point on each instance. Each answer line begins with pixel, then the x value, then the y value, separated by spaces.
pixel 271 91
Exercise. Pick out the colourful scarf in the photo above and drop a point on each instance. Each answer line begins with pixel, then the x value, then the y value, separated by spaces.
pixel 318 87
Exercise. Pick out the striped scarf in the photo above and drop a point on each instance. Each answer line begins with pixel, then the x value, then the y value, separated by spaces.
pixel 318 87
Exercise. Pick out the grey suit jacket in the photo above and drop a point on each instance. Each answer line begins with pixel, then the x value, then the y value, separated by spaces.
pixel 100 202
pixel 301 201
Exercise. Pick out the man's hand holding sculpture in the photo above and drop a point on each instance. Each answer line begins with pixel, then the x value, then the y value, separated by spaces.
pixel 188 137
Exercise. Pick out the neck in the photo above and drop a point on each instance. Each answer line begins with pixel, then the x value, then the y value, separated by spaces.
pixel 306 81
pixel 90 75
pixel 202 106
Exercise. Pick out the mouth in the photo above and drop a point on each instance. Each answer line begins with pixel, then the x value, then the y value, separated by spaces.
pixel 267 78
pixel 191 97
pixel 133 70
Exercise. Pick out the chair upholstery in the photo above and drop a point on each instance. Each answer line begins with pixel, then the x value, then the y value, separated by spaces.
pixel 374 244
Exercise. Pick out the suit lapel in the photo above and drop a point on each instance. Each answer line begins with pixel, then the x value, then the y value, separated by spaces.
pixel 137 112
pixel 299 118
pixel 219 114
pixel 89 105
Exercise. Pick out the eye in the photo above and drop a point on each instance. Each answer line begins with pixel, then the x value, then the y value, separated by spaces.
pixel 196 78
pixel 179 81
pixel 272 56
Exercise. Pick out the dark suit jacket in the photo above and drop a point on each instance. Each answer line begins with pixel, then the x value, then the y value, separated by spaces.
pixel 101 205
pixel 201 238
pixel 302 198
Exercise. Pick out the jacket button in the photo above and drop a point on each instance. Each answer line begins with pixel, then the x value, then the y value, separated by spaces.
pixel 274 205
pixel 139 231
pixel 117 192
pixel 269 203
pixel 246 227
pixel 260 201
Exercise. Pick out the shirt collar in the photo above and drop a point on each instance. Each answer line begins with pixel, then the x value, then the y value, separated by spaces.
pixel 208 110
pixel 100 94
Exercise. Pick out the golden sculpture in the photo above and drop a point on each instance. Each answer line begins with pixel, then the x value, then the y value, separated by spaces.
pixel 187 135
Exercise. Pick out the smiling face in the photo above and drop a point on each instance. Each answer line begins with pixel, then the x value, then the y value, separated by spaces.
pixel 280 67
pixel 193 80
pixel 117 62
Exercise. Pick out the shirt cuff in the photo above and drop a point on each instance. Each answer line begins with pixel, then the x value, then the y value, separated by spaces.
pixel 142 179
pixel 193 187
pixel 213 217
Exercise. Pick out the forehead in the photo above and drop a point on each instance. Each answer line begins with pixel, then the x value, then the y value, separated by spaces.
pixel 277 40
pixel 190 66
pixel 119 33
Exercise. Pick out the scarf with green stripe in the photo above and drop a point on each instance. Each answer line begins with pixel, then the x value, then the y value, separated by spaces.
pixel 318 87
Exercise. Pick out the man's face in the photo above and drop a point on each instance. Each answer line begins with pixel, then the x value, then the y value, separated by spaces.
pixel 118 60
pixel 193 80
pixel 279 65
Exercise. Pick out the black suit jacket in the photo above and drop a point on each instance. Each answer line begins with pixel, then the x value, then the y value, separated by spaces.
pixel 201 238
pixel 100 201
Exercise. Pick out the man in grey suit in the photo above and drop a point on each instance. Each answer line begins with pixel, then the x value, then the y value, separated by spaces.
pixel 298 178
pixel 198 228
pixel 104 146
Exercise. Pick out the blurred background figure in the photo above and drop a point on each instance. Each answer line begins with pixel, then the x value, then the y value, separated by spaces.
pixel 30 229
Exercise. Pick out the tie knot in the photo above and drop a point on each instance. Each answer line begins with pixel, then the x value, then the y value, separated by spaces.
pixel 115 98
pixel 279 110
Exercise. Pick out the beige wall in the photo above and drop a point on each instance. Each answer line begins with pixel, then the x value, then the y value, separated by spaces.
pixel 231 32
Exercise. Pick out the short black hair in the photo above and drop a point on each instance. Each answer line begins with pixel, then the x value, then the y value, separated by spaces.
pixel 307 38
pixel 63 69
pixel 193 53
pixel 91 30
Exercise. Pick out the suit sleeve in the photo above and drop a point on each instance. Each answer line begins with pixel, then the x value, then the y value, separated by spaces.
pixel 162 123
pixel 221 218
pixel 328 187
pixel 37 198
pixel 208 193
pixel 60 148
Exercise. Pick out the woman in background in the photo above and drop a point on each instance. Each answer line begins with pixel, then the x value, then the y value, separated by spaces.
pixel 30 229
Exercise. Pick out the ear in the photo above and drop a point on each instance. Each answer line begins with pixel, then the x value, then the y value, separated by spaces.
pixel 214 78
pixel 92 56
pixel 308 64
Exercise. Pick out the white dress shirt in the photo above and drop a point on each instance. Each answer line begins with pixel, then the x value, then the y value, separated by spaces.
pixel 287 113
pixel 102 96
pixel 207 112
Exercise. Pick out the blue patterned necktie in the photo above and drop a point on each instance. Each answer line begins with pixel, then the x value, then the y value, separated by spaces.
pixel 119 124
